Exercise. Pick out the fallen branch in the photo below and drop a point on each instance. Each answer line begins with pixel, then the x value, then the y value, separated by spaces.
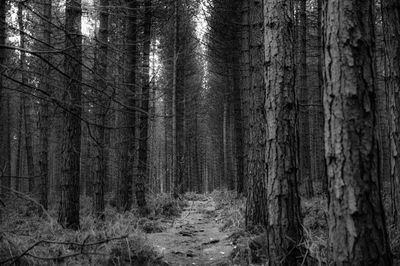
pixel 26 197
pixel 81 245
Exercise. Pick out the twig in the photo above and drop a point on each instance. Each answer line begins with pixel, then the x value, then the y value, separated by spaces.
pixel 81 245
pixel 26 197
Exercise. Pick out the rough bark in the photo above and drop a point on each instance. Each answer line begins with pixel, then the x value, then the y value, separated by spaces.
pixel 101 112
pixel 71 138
pixel 304 106
pixel 4 130
pixel 256 213
pixel 357 232
pixel 128 149
pixel 143 168
pixel 282 199
pixel 26 103
pixel 391 30
pixel 44 121
pixel 178 104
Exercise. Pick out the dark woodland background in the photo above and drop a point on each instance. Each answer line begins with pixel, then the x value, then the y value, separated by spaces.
pixel 276 121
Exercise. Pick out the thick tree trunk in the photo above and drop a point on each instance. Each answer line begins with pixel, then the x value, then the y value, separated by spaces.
pixel 143 167
pixel 317 148
pixel 256 213
pixel 26 103
pixel 304 107
pixel 281 196
pixel 101 112
pixel 71 139
pixel 357 232
pixel 44 120
pixel 391 30
pixel 128 149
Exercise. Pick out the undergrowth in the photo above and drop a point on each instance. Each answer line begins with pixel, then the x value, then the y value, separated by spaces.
pixel 249 246
pixel 28 239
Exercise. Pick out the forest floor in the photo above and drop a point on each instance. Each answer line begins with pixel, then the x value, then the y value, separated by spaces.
pixel 195 230
pixel 195 237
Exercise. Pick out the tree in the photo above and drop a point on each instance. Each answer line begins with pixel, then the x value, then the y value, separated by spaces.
pixel 26 103
pixel 4 130
pixel 71 139
pixel 129 115
pixel 282 199
pixel 44 123
pixel 304 99
pixel 357 233
pixel 143 169
pixel 391 30
pixel 101 82
pixel 178 103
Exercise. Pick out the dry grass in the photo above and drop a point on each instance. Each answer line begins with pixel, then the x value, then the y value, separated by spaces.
pixel 118 240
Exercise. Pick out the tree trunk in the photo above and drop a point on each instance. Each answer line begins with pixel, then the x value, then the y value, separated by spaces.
pixel 44 121
pixel 143 167
pixel 26 103
pixel 178 105
pixel 281 195
pixel 71 143
pixel 357 232
pixel 391 29
pixel 256 213
pixel 18 160
pixel 128 149
pixel 4 130
pixel 101 112
pixel 304 107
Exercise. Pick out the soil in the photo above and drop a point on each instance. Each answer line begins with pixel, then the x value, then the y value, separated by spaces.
pixel 194 238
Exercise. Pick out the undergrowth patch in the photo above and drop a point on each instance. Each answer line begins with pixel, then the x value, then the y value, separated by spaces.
pixel 28 239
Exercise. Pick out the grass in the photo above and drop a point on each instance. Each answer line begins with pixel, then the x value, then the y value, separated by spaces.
pixel 27 239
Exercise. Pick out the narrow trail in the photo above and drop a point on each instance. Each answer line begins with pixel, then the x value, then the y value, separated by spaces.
pixel 194 238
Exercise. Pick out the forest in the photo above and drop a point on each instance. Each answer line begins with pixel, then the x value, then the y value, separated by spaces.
pixel 200 132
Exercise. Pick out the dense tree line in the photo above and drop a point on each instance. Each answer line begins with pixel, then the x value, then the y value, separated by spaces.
pixel 278 100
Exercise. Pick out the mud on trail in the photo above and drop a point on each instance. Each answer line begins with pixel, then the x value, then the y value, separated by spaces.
pixel 194 238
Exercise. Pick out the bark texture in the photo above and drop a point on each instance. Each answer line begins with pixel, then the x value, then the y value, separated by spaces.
pixel 391 30
pixel 357 233
pixel 128 149
pixel 101 111
pixel 43 123
pixel 71 136
pixel 282 201
pixel 256 213
pixel 143 168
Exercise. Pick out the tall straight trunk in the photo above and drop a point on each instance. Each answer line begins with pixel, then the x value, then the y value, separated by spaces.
pixel 101 112
pixel 391 30
pixel 71 136
pixel 245 91
pixel 225 128
pixel 357 231
pixel 317 148
pixel 44 121
pixel 128 149
pixel 26 103
pixel 282 200
pixel 256 213
pixel 18 160
pixel 178 105
pixel 143 167
pixel 304 103
pixel 4 130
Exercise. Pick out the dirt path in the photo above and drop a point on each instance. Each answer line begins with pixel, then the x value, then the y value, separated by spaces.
pixel 194 238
